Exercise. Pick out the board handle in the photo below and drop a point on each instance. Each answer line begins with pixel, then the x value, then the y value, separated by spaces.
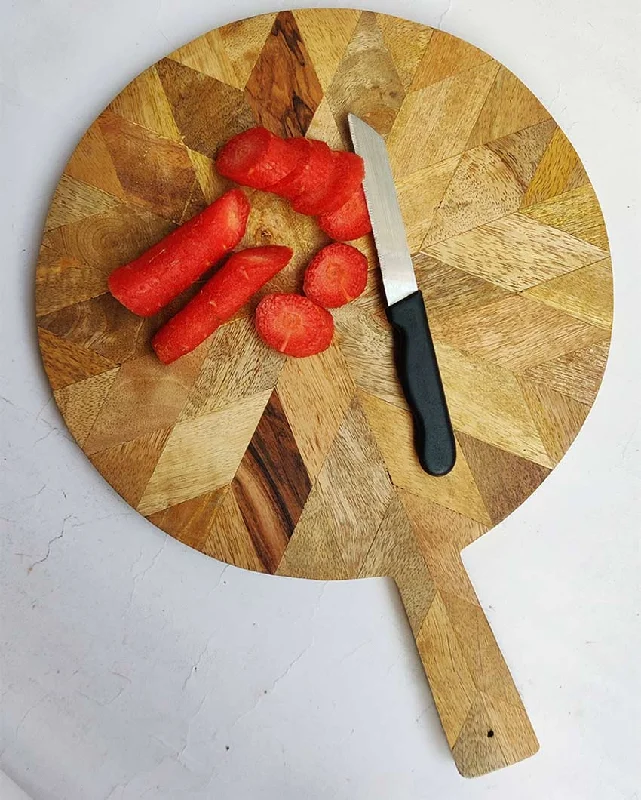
pixel 482 714
pixel 485 722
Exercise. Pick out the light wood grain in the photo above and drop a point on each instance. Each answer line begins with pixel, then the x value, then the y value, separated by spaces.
pixel 421 196
pixel 128 466
pixel 576 212
pixel 460 653
pixel 445 56
pixel 306 467
pixel 80 402
pixel 585 293
pixel 486 402
pixel 316 394
pixel 326 33
pixel 498 174
pixel 556 416
pixel 556 172
pixel 576 374
pixel 396 554
pixel 208 56
pixel 434 123
pixel 509 107
pixel 406 42
pixel 68 362
pixel 145 103
pixel 243 42
pixel 75 200
pixel 366 82
pixel 206 110
pixel 516 253
pixel 237 365
pixel 508 333
pixel 393 429
pixel 193 461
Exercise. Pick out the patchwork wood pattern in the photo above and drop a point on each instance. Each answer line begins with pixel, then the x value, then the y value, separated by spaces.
pixel 306 468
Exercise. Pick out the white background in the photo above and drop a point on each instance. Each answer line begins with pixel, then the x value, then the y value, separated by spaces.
pixel 131 666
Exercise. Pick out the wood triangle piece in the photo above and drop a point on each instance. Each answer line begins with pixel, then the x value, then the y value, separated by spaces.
pixel 558 417
pixel 127 467
pixel 326 33
pixel 504 480
pixel 366 82
pixel 67 363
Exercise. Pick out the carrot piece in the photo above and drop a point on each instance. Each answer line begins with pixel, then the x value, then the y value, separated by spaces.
pixel 153 279
pixel 256 158
pixel 294 325
pixel 220 298
pixel 351 221
pixel 291 185
pixel 336 275
pixel 317 180
pixel 349 171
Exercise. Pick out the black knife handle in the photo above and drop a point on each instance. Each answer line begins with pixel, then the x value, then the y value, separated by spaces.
pixel 421 381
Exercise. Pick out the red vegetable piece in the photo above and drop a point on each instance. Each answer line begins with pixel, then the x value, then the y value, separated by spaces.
pixel 256 158
pixel 151 281
pixel 220 298
pixel 317 180
pixel 291 185
pixel 351 221
pixel 349 171
pixel 294 325
pixel 336 275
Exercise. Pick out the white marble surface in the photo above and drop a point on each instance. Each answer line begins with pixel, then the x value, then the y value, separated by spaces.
pixel 132 667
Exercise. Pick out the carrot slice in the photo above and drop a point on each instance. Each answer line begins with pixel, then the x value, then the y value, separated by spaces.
pixel 351 221
pixel 221 297
pixel 294 325
pixel 291 185
pixel 317 180
pixel 151 281
pixel 256 158
pixel 336 275
pixel 349 171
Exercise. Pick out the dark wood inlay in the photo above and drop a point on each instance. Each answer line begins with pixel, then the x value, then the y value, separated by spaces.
pixel 271 484
pixel 283 88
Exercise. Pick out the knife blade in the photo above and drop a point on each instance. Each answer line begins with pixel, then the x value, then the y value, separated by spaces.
pixel 415 357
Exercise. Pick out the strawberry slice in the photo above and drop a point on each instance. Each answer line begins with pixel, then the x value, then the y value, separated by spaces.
pixel 336 275
pixel 317 180
pixel 256 158
pixel 351 221
pixel 291 185
pixel 349 171
pixel 219 299
pixel 294 325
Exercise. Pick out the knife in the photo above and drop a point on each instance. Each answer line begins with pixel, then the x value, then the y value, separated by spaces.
pixel 416 362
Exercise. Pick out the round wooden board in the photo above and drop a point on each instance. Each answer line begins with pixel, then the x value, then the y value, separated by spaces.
pixel 306 467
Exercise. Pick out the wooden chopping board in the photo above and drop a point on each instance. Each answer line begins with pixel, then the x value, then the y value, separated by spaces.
pixel 305 467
